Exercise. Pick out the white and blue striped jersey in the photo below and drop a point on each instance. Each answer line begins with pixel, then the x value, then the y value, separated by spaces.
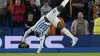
pixel 41 27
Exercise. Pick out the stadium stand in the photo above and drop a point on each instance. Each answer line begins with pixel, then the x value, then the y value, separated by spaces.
pixel 18 31
pixel 5 31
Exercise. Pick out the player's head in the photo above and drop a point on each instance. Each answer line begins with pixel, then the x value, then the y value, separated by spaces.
pixel 46 3
pixel 30 16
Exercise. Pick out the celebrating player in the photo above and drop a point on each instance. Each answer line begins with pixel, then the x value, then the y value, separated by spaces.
pixel 42 26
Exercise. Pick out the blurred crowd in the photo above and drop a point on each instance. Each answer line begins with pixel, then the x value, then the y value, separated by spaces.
pixel 81 17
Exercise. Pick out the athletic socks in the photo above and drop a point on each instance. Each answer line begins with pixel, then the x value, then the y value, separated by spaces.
pixel 64 2
pixel 64 30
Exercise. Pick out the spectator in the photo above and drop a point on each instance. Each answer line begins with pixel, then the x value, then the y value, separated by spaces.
pixel 18 13
pixel 8 15
pixel 92 13
pixel 97 24
pixel 30 22
pixel 10 4
pixel 78 6
pixel 26 3
pixel 54 31
pixel 95 8
pixel 80 25
pixel 45 8
pixel 3 10
pixel 90 4
pixel 34 9
pixel 51 3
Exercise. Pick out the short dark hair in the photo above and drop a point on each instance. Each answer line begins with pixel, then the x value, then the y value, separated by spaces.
pixel 30 13
pixel 45 1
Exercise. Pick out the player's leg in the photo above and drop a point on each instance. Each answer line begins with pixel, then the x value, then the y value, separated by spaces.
pixel 26 35
pixel 67 32
pixel 41 44
pixel 57 23
pixel 23 43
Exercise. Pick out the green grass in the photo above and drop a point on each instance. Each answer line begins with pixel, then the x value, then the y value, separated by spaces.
pixel 50 54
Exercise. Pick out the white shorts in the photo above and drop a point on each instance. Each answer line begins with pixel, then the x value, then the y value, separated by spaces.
pixel 55 21
pixel 52 17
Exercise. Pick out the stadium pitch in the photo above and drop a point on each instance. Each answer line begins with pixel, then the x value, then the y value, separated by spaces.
pixel 50 54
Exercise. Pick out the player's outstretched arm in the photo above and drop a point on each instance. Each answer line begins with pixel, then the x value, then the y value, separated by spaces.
pixel 59 8
pixel 26 34
pixel 64 3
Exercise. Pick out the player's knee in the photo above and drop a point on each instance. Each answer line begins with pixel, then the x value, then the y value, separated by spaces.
pixel 59 8
pixel 60 26
pixel 41 46
pixel 27 32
